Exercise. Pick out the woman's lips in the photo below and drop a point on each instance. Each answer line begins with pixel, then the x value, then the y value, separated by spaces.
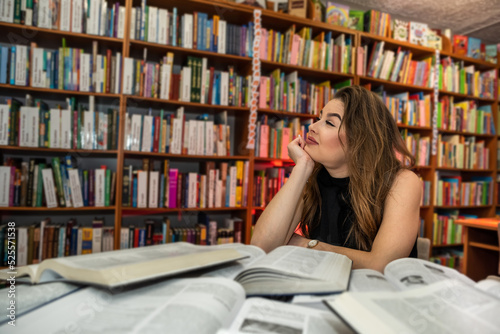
pixel 311 141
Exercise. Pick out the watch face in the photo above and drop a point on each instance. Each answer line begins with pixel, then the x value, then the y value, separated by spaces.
pixel 312 243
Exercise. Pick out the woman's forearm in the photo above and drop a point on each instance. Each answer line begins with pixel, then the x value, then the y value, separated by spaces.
pixel 281 216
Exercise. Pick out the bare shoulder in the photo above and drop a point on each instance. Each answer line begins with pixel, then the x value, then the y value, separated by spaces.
pixel 407 184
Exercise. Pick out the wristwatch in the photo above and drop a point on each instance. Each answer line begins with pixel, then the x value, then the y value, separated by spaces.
pixel 312 243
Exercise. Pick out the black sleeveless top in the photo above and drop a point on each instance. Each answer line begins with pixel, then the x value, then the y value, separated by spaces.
pixel 336 213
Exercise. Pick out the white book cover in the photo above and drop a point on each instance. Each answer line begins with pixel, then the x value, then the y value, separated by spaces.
pixel 204 77
pixel 103 18
pixel 66 129
pixel 88 130
pixel 128 70
pixel 29 126
pixel 93 18
pixel 38 77
pixel 224 88
pixel 55 128
pixel 147 134
pixel 49 188
pixel 76 188
pixel 103 120
pixel 142 189
pixel 192 191
pixel 221 45
pixel 136 132
pixel 121 22
pixel 166 73
pixel 218 193
pixel 203 191
pixel 152 24
pixel 185 139
pixel 22 246
pixel 4 124
pixel 96 239
pixel 124 235
pixel 192 129
pixel 154 181
pixel 5 172
pixel 187 29
pixel 84 72
pixel 176 144
pixel 127 141
pixel 118 73
pixel 200 138
pixel 162 26
pixel 7 11
pixel 132 23
pixel 232 186
pixel 209 138
pixel 28 19
pixel 21 59
pixel 186 84
pixel 76 16
pixel 65 15
pixel 100 184
pixel 99 78
pixel 211 188
pixel 44 14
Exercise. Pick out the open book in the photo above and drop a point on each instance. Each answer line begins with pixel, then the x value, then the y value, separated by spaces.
pixel 194 305
pixel 287 270
pixel 112 269
pixel 414 296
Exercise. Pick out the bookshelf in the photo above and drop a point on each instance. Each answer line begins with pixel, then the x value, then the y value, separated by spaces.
pixel 118 215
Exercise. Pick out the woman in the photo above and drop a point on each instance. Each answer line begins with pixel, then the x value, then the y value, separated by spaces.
pixel 351 191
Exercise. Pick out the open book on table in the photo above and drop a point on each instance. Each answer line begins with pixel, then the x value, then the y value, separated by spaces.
pixel 417 296
pixel 287 270
pixel 191 305
pixel 112 269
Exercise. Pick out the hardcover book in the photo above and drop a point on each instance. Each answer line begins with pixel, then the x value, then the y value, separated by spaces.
pixel 418 33
pixel 128 266
pixel 400 30
pixel 337 14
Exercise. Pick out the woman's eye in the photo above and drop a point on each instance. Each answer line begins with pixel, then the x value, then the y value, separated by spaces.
pixel 330 123
pixel 317 119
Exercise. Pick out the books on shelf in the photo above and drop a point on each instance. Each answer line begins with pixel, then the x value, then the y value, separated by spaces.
pixel 57 184
pixel 387 303
pixel 191 30
pixel 323 51
pixel 69 128
pixel 225 186
pixel 273 136
pixel 63 68
pixel 172 133
pixel 445 231
pixel 455 76
pixel 97 17
pixel 196 81
pixel 395 65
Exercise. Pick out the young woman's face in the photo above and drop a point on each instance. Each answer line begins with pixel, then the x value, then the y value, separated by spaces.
pixel 323 140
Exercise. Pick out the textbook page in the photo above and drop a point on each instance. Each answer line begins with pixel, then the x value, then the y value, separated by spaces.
pixel 231 270
pixel 490 286
pixel 201 305
pixel 364 280
pixel 409 273
pixel 29 297
pixel 260 315
pixel 295 270
pixel 442 307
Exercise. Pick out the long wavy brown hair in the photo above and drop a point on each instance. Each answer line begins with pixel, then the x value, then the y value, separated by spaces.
pixel 375 153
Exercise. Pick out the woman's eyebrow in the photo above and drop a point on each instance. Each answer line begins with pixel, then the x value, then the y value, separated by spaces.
pixel 334 114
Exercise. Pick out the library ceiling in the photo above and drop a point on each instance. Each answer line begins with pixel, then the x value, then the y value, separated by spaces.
pixel 475 18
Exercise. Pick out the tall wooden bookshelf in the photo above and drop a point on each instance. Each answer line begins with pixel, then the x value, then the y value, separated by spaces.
pixel 236 14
